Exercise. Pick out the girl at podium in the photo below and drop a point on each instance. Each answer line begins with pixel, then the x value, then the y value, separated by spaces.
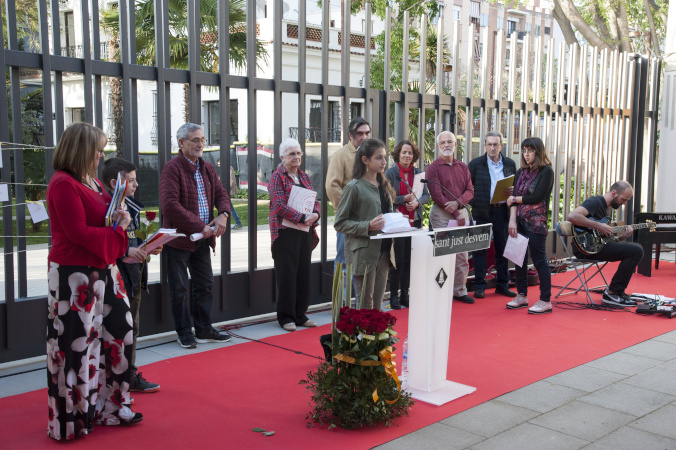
pixel 360 215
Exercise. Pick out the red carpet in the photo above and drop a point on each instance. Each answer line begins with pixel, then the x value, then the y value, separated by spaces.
pixel 218 397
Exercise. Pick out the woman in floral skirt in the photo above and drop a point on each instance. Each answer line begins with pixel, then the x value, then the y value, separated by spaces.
pixel 89 327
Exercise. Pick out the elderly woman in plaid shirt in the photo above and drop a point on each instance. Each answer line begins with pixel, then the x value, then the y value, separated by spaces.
pixel 292 247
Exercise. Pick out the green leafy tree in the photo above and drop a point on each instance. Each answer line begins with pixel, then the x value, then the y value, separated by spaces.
pixel 178 41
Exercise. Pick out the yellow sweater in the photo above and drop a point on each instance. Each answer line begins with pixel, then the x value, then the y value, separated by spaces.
pixel 339 173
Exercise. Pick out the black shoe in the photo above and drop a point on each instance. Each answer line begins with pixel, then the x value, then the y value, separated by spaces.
pixel 403 299
pixel 187 340
pixel 211 335
pixel 464 299
pixel 139 384
pixel 394 302
pixel 505 291
pixel 622 300
pixel 479 293
pixel 136 419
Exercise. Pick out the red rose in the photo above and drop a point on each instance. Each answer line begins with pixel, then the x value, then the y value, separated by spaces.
pixel 150 215
pixel 349 328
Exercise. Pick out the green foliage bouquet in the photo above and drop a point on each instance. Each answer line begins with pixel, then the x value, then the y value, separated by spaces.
pixel 360 387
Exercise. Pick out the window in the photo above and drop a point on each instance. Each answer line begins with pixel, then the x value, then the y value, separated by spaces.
pixel 474 9
pixel 77 115
pixel 214 116
pixel 484 20
pixel 528 27
pixel 547 30
pixel 501 23
pixel 334 128
pixel 456 14
pixel 537 30
pixel 355 110
pixel 511 27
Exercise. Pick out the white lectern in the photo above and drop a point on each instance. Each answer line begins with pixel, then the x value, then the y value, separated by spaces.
pixel 429 317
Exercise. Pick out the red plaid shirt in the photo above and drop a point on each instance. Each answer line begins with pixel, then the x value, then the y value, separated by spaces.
pixel 280 189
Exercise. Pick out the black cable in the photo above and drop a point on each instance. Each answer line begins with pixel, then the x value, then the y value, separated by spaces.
pixel 594 307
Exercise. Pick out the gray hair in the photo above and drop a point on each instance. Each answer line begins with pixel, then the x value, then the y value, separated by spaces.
pixel 443 133
pixel 496 134
pixel 184 130
pixel 286 145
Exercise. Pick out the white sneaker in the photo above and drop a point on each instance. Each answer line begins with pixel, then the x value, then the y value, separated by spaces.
pixel 540 308
pixel 520 301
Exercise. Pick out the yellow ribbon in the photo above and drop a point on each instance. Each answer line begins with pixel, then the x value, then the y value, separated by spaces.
pixel 386 356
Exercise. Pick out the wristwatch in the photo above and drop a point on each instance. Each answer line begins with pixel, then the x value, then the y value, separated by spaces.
pixel 225 214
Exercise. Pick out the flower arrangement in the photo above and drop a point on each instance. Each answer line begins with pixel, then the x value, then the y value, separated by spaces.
pixel 146 228
pixel 360 386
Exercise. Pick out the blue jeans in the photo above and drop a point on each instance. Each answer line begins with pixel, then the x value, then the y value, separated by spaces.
pixel 499 217
pixel 202 282
pixel 537 244
pixel 233 213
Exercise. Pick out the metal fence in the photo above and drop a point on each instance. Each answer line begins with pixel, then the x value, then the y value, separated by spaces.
pixel 588 105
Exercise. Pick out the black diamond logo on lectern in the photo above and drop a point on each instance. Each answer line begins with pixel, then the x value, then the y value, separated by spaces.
pixel 441 278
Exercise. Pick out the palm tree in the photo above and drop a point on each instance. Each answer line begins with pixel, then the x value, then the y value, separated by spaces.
pixel 178 38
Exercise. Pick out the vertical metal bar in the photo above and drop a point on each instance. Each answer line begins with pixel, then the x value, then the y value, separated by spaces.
pixel 252 146
pixel 469 113
pixel 96 37
pixel 367 68
pixel 386 85
pixel 401 110
pixel 423 86
pixel 652 130
pixel 440 67
pixel 277 78
pixel 126 29
pixel 43 19
pixel 345 58
pixel 484 91
pixel 58 76
pixel 511 94
pixel 637 131
pixel 195 58
pixel 87 59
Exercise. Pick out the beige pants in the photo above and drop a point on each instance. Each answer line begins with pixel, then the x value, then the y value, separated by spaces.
pixel 375 282
pixel 440 219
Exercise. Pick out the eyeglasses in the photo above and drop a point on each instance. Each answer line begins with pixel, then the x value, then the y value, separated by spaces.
pixel 527 151
pixel 198 141
pixel 492 145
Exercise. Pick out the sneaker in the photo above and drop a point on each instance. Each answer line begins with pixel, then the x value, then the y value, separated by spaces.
pixel 479 293
pixel 521 301
pixel 211 335
pixel 540 308
pixel 237 227
pixel 187 340
pixel 622 300
pixel 289 326
pixel 139 384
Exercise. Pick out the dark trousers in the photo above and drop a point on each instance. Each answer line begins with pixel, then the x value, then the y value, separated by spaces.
pixel 537 244
pixel 628 253
pixel 499 217
pixel 400 276
pixel 292 252
pixel 202 282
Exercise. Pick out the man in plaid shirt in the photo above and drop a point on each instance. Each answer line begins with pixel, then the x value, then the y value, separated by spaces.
pixel 189 191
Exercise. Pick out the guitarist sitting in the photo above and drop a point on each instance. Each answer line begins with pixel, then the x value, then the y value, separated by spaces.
pixel 589 215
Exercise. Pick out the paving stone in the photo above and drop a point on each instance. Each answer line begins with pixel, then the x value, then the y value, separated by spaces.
pixel 669 365
pixel 585 378
pixel 624 363
pixel 16 384
pixel 434 436
pixel 541 396
pixel 583 420
pixel 657 379
pixel 628 399
pixel 490 418
pixel 669 337
pixel 628 438
pixel 653 349
pixel 529 436
pixel 659 422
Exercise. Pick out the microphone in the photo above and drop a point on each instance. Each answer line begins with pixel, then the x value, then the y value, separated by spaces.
pixel 471 220
pixel 420 205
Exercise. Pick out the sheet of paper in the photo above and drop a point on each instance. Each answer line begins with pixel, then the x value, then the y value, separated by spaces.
pixel 452 223
pixel 499 194
pixel 37 211
pixel 302 200
pixel 417 184
pixel 395 223
pixel 4 192
pixel 515 249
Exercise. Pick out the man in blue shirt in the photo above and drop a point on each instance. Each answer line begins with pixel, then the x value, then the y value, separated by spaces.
pixel 486 170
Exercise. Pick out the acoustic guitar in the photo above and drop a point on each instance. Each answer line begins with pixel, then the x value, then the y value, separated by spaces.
pixel 590 241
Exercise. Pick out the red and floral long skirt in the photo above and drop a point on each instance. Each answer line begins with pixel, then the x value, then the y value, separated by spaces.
pixel 89 337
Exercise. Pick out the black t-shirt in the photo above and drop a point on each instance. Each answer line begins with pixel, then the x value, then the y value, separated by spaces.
pixel 597 207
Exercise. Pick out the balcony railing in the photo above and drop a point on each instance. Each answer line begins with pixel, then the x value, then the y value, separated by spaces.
pixel 314 134
pixel 75 51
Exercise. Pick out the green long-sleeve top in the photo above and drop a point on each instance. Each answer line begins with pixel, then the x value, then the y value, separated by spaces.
pixel 359 204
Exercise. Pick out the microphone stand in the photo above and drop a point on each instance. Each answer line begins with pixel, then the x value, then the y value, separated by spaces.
pixel 471 220
pixel 420 205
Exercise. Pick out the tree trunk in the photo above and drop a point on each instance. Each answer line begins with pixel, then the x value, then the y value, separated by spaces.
pixel 570 11
pixel 623 22
pixel 600 24
pixel 654 43
pixel 564 24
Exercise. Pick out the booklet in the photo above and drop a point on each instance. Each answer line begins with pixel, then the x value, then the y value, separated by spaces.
pixel 499 194
pixel 302 200
pixel 118 197
pixel 418 187
pixel 160 237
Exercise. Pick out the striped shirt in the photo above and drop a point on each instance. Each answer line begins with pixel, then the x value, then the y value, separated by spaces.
pixel 201 193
